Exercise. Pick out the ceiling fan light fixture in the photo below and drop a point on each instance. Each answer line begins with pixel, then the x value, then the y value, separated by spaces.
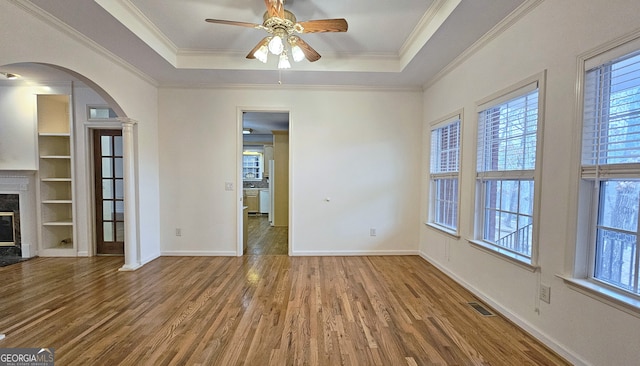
pixel 297 53
pixel 284 61
pixel 281 25
pixel 275 45
pixel 262 53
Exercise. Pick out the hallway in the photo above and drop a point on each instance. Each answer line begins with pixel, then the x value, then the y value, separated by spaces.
pixel 265 239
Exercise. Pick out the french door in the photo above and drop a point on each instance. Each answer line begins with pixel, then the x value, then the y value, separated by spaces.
pixel 109 192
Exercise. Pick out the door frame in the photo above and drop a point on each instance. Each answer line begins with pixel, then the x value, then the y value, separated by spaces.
pixel 238 180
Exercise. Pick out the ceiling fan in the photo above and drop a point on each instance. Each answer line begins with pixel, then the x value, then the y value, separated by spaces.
pixel 283 28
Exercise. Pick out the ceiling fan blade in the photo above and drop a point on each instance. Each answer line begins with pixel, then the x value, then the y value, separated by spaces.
pixel 264 41
pixel 275 8
pixel 309 53
pixel 231 22
pixel 323 25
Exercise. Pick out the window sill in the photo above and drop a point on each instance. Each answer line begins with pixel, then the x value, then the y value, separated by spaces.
pixel 510 257
pixel 443 229
pixel 610 297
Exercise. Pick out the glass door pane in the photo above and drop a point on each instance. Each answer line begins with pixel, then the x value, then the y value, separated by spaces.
pixel 109 192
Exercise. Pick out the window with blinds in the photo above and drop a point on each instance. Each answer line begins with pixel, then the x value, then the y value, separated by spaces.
pixel 506 163
pixel 444 170
pixel 611 121
pixel 507 134
pixel 611 164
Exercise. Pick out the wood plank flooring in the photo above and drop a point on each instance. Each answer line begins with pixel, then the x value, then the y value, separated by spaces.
pixel 254 310
pixel 264 239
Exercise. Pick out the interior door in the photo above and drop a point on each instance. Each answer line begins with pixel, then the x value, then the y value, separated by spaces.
pixel 109 192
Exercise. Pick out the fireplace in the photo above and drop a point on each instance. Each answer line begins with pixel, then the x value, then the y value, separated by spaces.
pixel 18 227
pixel 10 225
pixel 7 229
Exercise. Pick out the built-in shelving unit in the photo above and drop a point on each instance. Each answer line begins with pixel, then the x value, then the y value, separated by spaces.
pixel 55 173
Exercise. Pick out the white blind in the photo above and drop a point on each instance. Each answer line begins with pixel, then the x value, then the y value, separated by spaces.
pixel 611 121
pixel 445 148
pixel 507 134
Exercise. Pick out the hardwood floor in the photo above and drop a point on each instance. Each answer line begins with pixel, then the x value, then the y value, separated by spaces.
pixel 254 310
pixel 265 239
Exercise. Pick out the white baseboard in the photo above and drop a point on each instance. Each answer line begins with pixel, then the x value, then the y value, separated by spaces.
pixel 196 253
pixel 150 258
pixel 83 253
pixel 526 326
pixel 129 268
pixel 337 253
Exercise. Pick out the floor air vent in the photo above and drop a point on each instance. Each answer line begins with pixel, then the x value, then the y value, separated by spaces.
pixel 480 309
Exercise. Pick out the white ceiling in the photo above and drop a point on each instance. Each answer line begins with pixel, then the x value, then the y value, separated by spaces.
pixel 401 43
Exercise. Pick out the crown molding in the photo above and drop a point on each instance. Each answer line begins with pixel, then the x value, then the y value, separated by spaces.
pixel 54 22
pixel 431 21
pixel 506 23
pixel 294 87
pixel 140 25
pixel 204 59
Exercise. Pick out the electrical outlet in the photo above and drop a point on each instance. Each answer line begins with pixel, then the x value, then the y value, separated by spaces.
pixel 178 231
pixel 545 293
pixel 228 186
pixel 372 231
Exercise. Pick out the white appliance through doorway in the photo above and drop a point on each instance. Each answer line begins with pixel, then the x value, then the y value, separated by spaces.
pixel 265 201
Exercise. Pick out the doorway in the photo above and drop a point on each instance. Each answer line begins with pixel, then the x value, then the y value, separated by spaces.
pixel 265 182
pixel 109 191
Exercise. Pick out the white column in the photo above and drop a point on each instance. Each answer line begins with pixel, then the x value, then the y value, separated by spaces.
pixel 131 244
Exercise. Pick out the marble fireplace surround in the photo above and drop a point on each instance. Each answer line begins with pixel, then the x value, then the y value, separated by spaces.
pixel 22 183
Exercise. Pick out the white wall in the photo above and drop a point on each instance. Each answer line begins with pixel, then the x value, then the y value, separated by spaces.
pixel 17 128
pixel 550 38
pixel 359 148
pixel 27 38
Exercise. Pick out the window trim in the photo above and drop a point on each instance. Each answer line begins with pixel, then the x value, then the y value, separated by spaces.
pixel 477 215
pixel 441 122
pixel 580 256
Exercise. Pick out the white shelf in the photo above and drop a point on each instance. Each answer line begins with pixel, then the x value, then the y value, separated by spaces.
pixel 67 222
pixel 55 179
pixel 54 134
pixel 55 157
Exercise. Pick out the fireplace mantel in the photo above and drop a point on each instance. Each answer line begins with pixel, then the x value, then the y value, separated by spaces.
pixel 15 180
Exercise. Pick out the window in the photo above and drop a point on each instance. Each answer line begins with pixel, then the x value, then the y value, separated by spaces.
pixel 506 171
pixel 611 170
pixel 100 113
pixel 252 165
pixel 444 171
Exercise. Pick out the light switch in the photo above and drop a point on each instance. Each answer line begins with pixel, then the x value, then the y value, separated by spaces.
pixel 228 186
